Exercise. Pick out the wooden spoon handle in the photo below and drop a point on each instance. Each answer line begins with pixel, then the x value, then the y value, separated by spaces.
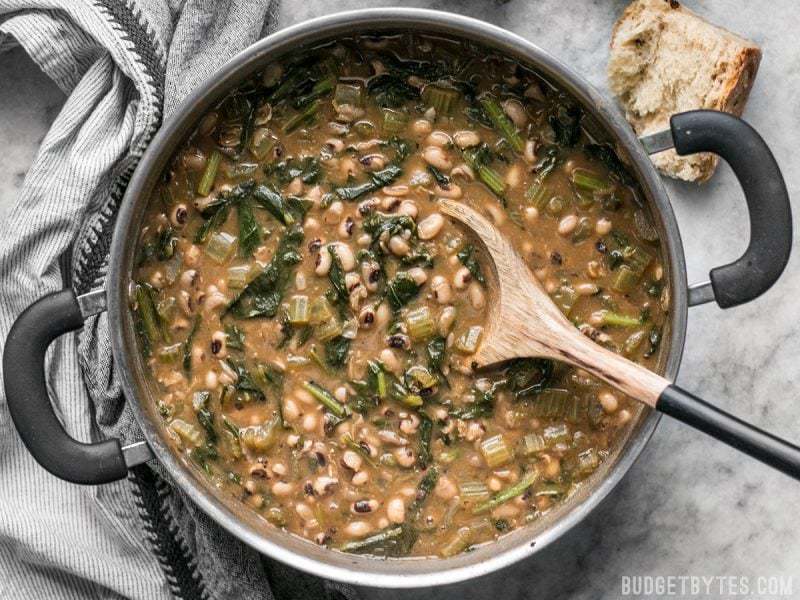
pixel 654 390
pixel 627 376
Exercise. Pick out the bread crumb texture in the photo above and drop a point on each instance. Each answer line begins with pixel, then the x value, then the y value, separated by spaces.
pixel 664 60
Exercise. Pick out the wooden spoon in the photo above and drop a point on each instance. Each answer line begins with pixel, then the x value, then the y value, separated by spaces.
pixel 524 322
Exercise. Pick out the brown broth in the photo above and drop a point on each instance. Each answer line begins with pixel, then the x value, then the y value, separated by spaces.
pixel 347 466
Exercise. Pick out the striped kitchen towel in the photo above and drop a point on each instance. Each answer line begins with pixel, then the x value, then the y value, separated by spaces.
pixel 124 65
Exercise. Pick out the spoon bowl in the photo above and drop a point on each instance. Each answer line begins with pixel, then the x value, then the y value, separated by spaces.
pixel 524 322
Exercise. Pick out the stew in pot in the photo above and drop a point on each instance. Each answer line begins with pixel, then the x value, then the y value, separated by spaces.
pixel 308 316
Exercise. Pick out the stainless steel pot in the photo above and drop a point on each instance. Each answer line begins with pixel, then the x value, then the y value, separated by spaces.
pixel 58 313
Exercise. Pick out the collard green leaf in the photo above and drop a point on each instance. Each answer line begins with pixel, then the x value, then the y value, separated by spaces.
pixel 262 297
pixel 467 257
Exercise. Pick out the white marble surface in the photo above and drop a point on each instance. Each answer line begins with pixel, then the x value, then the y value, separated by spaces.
pixel 689 506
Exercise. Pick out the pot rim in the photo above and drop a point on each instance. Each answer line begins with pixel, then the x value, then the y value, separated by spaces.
pixel 358 570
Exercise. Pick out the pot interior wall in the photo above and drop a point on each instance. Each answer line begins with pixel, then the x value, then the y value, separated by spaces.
pixel 602 119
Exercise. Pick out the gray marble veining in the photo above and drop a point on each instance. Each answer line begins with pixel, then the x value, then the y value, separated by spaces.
pixel 689 506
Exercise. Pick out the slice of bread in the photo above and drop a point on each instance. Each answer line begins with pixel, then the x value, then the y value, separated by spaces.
pixel 664 60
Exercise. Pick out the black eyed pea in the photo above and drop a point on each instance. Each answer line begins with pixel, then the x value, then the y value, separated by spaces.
pixel 371 274
pixel 445 488
pixel 441 289
pixel 333 214
pixel 324 485
pixel 461 278
pixel 382 314
pixel 464 171
pixel 366 505
pixel 476 296
pixel 437 157
pixel 357 529
pixel 351 460
pixel 516 112
pixel 346 227
pixel 323 262
pixel 466 139
pixel 530 152
pixel 398 246
pixel 390 360
pixel 603 226
pixel 439 139
pixel 421 127
pixel 447 319
pixel 608 401
pixel 179 215
pixel 345 255
pixel 373 162
pixel 452 191
pixel 418 274
pixel 396 510
pixel 430 226
pixel 567 225
pixel 408 208
pixel 218 344
pixel 404 456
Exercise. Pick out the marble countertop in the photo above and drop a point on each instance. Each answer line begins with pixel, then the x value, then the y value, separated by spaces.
pixel 689 506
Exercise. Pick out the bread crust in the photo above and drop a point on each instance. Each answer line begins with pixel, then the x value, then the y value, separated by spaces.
pixel 655 46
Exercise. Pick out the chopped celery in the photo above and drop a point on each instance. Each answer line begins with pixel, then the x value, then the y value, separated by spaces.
pixel 220 247
pixel 555 206
pixel 552 403
pixel 556 434
pixel 171 354
pixel 588 460
pixel 394 121
pixel 261 143
pixel 260 438
pixel 458 543
pixel 582 231
pixel 187 432
pixel 502 123
pixel 420 380
pixel 469 341
pixel 637 259
pixel 299 310
pixel 532 443
pixel 537 194
pixel 145 307
pixel 420 324
pixel 565 298
pixel 588 180
pixel 625 280
pixel 325 398
pixel 442 99
pixel 209 174
pixel 239 276
pixel 320 311
pixel 473 489
pixel 495 451
pixel 615 319
pixel 346 93
pixel 330 329
pixel 492 179
pixel 507 494
pixel 634 342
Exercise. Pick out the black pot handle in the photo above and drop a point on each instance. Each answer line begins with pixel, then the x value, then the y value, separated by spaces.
pixel 767 203
pixel 751 440
pixel 29 404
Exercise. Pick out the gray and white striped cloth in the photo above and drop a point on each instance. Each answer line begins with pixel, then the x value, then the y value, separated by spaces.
pixel 125 65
